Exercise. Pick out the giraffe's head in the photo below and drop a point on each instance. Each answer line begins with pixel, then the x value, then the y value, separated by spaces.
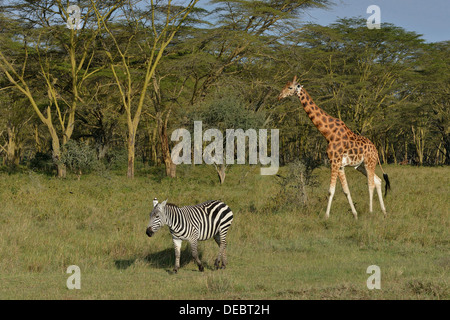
pixel 291 88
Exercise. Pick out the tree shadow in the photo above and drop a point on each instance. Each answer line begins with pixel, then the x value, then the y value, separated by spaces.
pixel 124 264
pixel 156 174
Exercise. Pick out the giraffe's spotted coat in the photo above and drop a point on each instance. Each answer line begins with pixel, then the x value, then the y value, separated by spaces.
pixel 345 148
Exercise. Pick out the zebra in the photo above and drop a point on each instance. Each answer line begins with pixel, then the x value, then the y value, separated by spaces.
pixel 193 223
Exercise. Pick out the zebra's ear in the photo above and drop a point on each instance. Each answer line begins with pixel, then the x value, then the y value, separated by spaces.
pixel 163 204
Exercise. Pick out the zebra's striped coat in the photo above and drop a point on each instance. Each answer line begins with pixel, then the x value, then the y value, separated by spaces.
pixel 204 221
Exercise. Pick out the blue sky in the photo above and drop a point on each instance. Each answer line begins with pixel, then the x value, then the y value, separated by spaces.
pixel 431 18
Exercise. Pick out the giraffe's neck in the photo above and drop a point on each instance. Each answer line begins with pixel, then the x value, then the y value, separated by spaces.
pixel 325 123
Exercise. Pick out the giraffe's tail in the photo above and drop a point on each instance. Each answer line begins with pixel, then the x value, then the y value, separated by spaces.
pixel 386 179
pixel 388 184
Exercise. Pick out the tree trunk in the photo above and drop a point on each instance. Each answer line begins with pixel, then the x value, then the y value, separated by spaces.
pixel 162 130
pixel 383 154
pixel 304 195
pixel 153 147
pixel 446 152
pixel 131 154
pixel 393 153
pixel 419 141
pixel 11 148
pixel 56 154
pixel 102 150
pixel 405 158
pixel 221 172
pixel 38 145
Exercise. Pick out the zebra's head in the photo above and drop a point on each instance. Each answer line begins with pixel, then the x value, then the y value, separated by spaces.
pixel 157 218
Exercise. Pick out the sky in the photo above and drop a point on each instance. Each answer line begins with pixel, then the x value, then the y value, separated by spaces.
pixel 430 18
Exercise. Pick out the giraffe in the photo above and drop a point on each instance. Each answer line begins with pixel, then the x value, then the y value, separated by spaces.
pixel 345 148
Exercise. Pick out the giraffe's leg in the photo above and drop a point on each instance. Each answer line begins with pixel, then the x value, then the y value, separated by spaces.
pixel 346 190
pixel 380 193
pixel 177 244
pixel 334 174
pixel 371 183
pixel 194 249
pixel 362 168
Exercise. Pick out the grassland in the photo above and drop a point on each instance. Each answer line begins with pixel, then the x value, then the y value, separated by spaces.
pixel 98 223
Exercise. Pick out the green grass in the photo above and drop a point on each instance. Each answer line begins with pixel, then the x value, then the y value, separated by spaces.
pixel 98 223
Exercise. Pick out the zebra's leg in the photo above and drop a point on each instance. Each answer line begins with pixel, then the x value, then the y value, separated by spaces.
pixel 219 257
pixel 223 246
pixel 222 256
pixel 194 249
pixel 177 244
pixel 221 239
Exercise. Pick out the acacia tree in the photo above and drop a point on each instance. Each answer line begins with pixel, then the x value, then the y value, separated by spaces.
pixel 225 109
pixel 13 127
pixel 432 130
pixel 64 59
pixel 359 72
pixel 232 49
pixel 149 32
pixel 14 112
pixel 360 75
pixel 244 29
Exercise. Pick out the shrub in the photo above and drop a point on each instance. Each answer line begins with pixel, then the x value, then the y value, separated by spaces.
pixel 79 157
pixel 42 162
pixel 293 192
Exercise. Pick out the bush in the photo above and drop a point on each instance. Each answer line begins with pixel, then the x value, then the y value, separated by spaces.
pixel 293 192
pixel 227 110
pixel 79 158
pixel 42 162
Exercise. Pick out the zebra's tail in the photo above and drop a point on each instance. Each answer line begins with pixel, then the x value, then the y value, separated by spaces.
pixel 386 179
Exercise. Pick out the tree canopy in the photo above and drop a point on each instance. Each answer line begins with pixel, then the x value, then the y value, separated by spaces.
pixel 133 71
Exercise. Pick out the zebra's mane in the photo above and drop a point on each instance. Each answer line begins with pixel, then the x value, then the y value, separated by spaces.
pixel 175 206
